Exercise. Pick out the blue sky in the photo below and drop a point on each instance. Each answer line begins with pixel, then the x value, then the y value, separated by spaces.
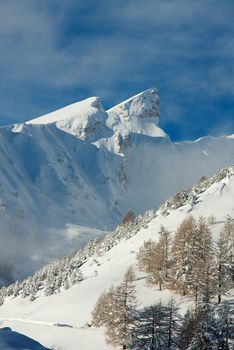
pixel 56 52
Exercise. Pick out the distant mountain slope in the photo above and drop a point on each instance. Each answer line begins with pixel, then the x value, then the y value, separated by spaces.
pixel 61 319
pixel 81 167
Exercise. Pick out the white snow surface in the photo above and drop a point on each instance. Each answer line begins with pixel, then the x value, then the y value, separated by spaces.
pixel 85 119
pixel 61 320
pixel 137 115
pixel 81 167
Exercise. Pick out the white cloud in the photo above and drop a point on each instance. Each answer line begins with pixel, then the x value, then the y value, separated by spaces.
pixel 55 46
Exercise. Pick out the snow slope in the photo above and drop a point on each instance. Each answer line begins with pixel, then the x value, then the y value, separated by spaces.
pixel 72 174
pixel 61 319
pixel 49 182
pixel 10 340
pixel 85 119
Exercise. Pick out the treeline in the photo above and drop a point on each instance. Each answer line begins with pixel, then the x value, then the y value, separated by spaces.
pixel 191 195
pixel 50 279
pixel 65 272
pixel 191 264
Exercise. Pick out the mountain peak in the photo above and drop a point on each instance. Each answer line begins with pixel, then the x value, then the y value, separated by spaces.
pixel 79 109
pixel 137 115
pixel 88 120
pixel 142 105
pixel 85 119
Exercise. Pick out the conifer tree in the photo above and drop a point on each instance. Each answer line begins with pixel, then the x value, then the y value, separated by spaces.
pixel 103 311
pixel 228 245
pixel 128 217
pixel 192 253
pixel 210 327
pixel 145 256
pixel 173 325
pixel 188 327
pixel 119 326
pixel 225 326
pixel 115 310
pixel 153 258
pixel 150 330
pixel 160 261
pixel 183 255
pixel 206 286
pixel 202 277
pixel 205 336
pixel 222 272
pixel 157 327
pixel 165 243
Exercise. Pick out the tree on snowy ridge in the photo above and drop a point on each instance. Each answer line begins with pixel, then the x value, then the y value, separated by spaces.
pixel 128 217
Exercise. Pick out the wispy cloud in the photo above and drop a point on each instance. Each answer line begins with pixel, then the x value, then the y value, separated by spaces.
pixel 55 52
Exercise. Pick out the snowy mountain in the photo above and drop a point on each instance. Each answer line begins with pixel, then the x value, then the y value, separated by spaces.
pixel 72 174
pixel 62 318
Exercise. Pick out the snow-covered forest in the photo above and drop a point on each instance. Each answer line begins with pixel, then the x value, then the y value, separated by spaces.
pixel 184 264
pixel 191 265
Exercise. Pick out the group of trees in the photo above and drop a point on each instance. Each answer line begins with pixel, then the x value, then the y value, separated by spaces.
pixel 192 264
pixel 65 272
pixel 191 195
pixel 210 326
pixel 49 280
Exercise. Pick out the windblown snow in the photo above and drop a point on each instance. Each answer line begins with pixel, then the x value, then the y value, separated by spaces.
pixel 72 174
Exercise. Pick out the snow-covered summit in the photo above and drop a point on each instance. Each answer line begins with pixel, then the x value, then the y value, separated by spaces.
pixel 81 167
pixel 136 115
pixel 139 114
pixel 88 120
pixel 85 119
pixel 142 105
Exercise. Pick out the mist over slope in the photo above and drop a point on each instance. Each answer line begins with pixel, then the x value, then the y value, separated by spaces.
pixel 61 319
pixel 72 174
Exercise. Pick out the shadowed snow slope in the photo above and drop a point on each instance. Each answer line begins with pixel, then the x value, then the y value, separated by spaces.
pixel 82 167
pixel 61 319
pixel 10 340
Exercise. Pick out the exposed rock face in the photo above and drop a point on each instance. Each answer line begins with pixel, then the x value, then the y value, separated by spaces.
pixel 137 115
pixel 143 105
